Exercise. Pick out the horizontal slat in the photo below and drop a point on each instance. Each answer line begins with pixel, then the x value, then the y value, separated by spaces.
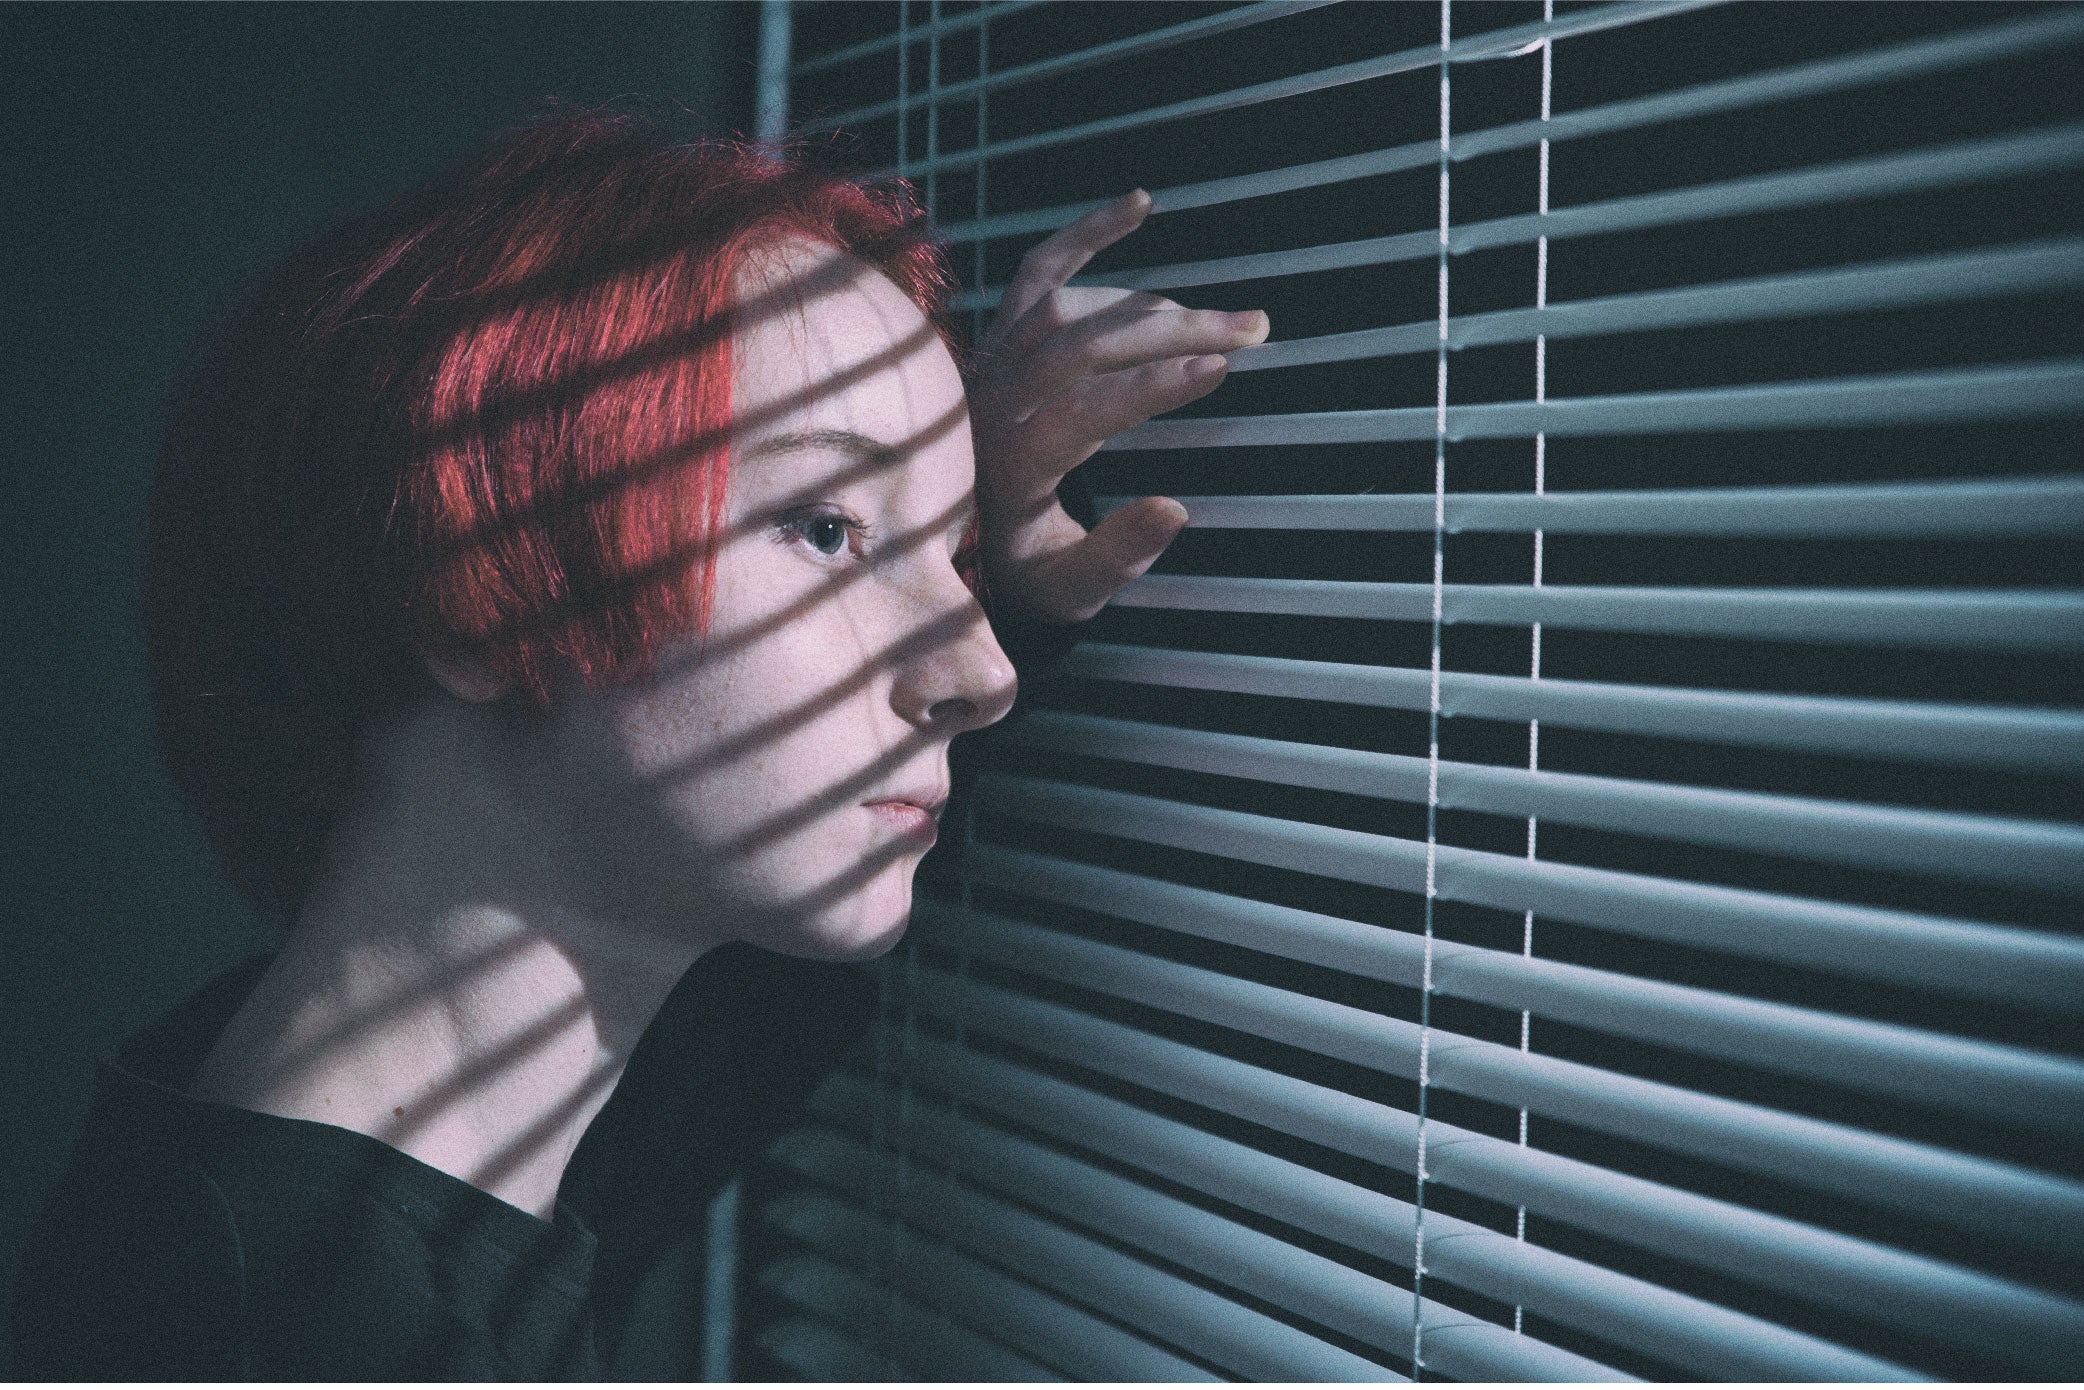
pixel 917 33
pixel 821 1354
pixel 2013 391
pixel 1938 1070
pixel 1917 57
pixel 1913 59
pixel 2048 506
pixel 1297 1281
pixel 1979 161
pixel 1958 735
pixel 1964 619
pixel 1976 161
pixel 1953 1305
pixel 1629 1312
pixel 1492 45
pixel 1999 1199
pixel 1960 1190
pixel 1987 273
pixel 1090 1348
pixel 1223 21
pixel 1938 844
pixel 2034 152
pixel 941 1349
pixel 1859 942
pixel 1197 1319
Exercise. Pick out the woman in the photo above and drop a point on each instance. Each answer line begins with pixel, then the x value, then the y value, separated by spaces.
pixel 563 576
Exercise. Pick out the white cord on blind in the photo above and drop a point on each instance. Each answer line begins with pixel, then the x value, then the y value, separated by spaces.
pixel 1425 997
pixel 1541 299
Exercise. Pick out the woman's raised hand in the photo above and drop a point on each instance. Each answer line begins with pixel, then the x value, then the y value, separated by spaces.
pixel 1063 369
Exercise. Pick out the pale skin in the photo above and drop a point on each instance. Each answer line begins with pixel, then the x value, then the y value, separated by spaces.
pixel 510 896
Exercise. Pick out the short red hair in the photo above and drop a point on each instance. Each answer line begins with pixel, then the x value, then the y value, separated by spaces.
pixel 490 418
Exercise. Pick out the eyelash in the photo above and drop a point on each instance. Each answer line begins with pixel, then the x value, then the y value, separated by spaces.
pixel 797 525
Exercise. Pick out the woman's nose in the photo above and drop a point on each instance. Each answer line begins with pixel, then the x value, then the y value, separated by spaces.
pixel 958 678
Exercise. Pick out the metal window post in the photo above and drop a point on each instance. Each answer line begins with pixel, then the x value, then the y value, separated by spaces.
pixel 771 91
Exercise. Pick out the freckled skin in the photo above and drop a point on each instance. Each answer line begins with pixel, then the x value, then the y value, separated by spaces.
pixel 733 779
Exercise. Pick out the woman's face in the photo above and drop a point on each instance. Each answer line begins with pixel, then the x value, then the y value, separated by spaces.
pixel 777 780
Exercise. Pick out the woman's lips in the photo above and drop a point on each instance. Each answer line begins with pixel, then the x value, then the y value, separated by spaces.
pixel 908 819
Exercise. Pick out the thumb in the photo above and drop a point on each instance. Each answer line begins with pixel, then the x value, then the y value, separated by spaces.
pixel 1127 541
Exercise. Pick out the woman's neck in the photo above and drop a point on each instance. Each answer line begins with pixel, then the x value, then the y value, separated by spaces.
pixel 441 990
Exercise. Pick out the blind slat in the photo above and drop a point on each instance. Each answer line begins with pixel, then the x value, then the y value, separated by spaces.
pixel 1037 1322
pixel 1150 41
pixel 1297 1281
pixel 1038 1071
pixel 1974 848
pixel 1988 273
pixel 2012 391
pixel 1935 1069
pixel 1626 1311
pixel 1971 619
pixel 2046 506
pixel 1495 44
pixel 2016 1203
pixel 944 1349
pixel 1971 735
pixel 1981 161
pixel 1185 1314
pixel 1888 1286
pixel 1854 941
pixel 1916 58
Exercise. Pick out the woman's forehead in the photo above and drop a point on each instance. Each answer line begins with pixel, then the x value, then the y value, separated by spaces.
pixel 827 339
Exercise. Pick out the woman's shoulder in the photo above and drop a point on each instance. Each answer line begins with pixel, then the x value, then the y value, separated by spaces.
pixel 190 1240
pixel 133 1271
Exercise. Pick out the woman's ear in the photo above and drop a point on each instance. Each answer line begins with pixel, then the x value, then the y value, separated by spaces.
pixel 464 677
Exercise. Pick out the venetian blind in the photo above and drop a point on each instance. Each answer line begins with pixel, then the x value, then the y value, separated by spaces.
pixel 1571 867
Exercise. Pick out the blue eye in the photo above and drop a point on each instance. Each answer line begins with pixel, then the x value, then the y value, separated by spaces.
pixel 829 533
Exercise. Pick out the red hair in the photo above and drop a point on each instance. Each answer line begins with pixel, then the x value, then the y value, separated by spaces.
pixel 491 419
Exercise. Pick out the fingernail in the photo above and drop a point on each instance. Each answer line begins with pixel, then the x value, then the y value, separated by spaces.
pixel 1249 320
pixel 1201 368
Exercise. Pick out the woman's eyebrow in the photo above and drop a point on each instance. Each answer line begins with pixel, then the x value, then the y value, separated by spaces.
pixel 872 452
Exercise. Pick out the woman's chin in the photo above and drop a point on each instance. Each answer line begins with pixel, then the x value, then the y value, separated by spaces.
pixel 862 927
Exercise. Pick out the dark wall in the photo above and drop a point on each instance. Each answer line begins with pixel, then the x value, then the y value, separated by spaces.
pixel 152 159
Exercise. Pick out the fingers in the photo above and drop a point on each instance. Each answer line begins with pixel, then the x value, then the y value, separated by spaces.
pixel 1076 582
pixel 1036 454
pixel 1118 339
pixel 1053 262
pixel 1070 307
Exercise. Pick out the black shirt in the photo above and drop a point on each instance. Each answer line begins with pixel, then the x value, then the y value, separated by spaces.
pixel 194 1241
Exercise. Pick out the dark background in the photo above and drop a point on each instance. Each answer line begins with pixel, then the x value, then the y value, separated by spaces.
pixel 152 160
